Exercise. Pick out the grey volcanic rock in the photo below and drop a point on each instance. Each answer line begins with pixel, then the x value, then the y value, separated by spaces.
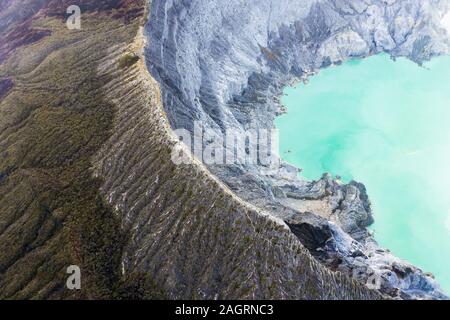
pixel 313 231
pixel 225 63
pixel 371 265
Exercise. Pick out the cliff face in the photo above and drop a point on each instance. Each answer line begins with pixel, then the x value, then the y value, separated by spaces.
pixel 222 59
pixel 224 64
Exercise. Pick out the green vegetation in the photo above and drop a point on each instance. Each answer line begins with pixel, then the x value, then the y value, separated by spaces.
pixel 128 60
pixel 51 212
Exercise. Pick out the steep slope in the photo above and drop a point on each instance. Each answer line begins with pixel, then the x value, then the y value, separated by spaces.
pixel 86 178
pixel 53 118
pixel 193 236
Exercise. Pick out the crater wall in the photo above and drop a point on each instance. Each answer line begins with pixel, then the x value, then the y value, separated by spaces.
pixel 224 65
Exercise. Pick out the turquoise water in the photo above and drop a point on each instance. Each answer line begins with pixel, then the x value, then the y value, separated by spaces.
pixel 386 124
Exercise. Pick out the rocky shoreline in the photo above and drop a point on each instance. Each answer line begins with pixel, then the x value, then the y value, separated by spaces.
pixel 226 66
pixel 344 244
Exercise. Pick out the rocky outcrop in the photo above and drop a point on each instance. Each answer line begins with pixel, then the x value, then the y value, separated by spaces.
pixel 225 64
pixel 369 264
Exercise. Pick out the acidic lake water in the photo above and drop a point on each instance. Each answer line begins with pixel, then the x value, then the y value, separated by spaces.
pixel 385 124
